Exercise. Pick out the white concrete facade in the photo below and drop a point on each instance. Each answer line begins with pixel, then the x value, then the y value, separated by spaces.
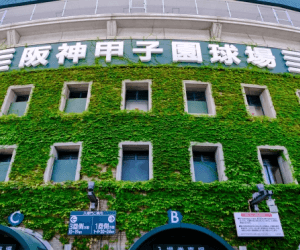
pixel 150 26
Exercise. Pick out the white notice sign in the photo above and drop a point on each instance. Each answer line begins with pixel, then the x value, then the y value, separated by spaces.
pixel 258 225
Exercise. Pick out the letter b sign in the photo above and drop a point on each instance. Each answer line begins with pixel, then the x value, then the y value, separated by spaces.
pixel 174 217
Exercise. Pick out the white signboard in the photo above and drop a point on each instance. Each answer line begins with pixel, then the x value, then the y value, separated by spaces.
pixel 258 225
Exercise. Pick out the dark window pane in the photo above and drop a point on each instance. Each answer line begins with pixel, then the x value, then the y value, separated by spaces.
pixel 5 158
pixel 78 94
pixel 200 96
pixel 142 95
pixel 253 100
pixel 190 95
pixel 63 155
pixel 22 98
pixel 142 155
pixel 196 96
pixel 131 95
pixel 200 156
pixel 128 156
pixel 272 169
pixel 137 95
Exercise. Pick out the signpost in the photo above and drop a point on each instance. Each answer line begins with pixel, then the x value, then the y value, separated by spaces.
pixel 92 223
pixel 258 225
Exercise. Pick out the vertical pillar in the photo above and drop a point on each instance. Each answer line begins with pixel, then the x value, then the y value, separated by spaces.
pixel 13 38
pixel 111 28
pixel 216 31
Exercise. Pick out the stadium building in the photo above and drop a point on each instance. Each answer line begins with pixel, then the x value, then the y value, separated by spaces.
pixel 148 124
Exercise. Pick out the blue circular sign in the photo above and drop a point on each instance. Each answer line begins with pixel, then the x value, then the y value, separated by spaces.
pixel 16 218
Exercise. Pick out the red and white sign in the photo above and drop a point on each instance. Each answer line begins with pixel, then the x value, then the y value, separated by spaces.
pixel 258 225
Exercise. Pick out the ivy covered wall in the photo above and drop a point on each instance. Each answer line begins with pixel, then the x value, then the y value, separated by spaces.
pixel 142 206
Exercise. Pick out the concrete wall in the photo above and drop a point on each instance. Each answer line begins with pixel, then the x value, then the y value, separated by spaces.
pixel 150 26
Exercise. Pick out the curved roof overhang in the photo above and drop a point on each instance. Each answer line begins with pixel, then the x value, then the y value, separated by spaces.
pixel 160 229
pixel 26 241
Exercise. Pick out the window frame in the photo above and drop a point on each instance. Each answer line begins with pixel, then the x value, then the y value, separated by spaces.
pixel 13 149
pixel 285 166
pixel 53 155
pixel 11 94
pixel 125 83
pixel 298 94
pixel 203 86
pixel 66 91
pixel 264 96
pixel 132 144
pixel 219 158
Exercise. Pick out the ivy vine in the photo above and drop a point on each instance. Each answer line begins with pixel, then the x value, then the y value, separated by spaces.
pixel 142 206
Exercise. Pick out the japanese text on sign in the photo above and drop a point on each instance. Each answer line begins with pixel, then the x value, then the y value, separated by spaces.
pixel 258 225
pixel 92 223
pixel 7 246
pixel 181 52
pixel 178 247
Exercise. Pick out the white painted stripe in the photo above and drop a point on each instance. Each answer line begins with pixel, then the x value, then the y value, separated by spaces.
pixel 294 70
pixel 6 62
pixel 4 68
pixel 293 64
pixel 291 58
pixel 9 56
pixel 7 51
pixel 290 53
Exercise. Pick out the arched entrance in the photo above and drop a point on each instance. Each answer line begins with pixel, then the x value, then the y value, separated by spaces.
pixel 19 239
pixel 181 235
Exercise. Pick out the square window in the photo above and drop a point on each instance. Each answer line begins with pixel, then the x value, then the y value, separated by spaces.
pixel 207 162
pixel 7 155
pixel 275 164
pixel 258 100
pixel 136 95
pixel 16 100
pixel 64 162
pixel 75 97
pixel 135 161
pixel 198 98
